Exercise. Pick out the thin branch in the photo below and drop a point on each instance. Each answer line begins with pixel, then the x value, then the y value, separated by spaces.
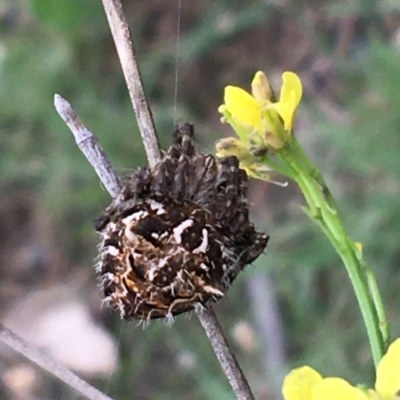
pixel 90 147
pixel 93 151
pixel 51 366
pixel 123 42
pixel 94 154
pixel 225 356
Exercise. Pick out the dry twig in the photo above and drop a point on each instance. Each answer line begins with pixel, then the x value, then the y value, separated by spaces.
pixel 90 147
pixel 49 365
pixel 225 356
pixel 123 42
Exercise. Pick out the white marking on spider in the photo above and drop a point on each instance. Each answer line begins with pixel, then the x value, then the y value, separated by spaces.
pixel 132 237
pixel 110 227
pixel 108 276
pixel 181 228
pixel 135 217
pixel 155 205
pixel 180 277
pixel 112 250
pixel 155 267
pixel 179 301
pixel 163 235
pixel 151 274
pixel 204 243
pixel 204 267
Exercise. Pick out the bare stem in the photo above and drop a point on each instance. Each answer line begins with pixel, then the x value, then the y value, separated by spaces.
pixel 123 42
pixel 90 146
pixel 225 356
pixel 49 365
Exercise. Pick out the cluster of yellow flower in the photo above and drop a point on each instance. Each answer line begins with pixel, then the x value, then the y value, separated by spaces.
pixel 264 127
pixel 262 124
pixel 307 384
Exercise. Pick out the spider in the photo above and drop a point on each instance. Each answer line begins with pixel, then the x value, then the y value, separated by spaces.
pixel 178 234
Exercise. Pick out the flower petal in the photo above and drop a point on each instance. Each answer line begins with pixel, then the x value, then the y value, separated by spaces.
pixel 291 87
pixel 299 383
pixel 242 106
pixel 337 389
pixel 388 373
pixel 289 99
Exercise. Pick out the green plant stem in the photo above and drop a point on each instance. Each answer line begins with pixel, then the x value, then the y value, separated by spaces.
pixel 324 212
pixel 377 299
pixel 366 268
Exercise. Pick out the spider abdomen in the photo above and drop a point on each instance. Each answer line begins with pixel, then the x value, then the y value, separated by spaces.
pixel 178 234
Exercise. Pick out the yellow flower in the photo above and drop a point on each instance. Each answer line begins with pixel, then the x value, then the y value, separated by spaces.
pixel 255 112
pixel 263 125
pixel 307 384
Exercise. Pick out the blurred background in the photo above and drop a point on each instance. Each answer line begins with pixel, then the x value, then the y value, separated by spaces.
pixel 295 305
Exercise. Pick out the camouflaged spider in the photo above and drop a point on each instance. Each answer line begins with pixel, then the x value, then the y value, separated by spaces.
pixel 178 234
